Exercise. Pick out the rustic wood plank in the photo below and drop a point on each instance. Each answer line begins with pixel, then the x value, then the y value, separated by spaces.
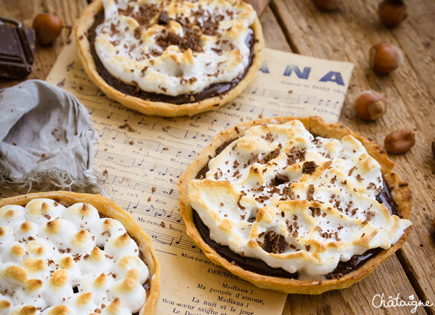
pixel 273 35
pixel 358 298
pixel 347 34
pixel 259 5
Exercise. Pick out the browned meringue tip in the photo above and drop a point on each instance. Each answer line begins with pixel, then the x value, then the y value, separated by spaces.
pixel 28 310
pixel 122 240
pixel 84 298
pixel 114 306
pixel 26 226
pixel 2 231
pixel 35 249
pixel 5 304
pixel 59 278
pixel 100 280
pixel 124 261
pixel 60 310
pixel 85 209
pixel 107 224
pixel 16 273
pixel 53 227
pixel 33 264
pixel 17 250
pixel 9 214
pixel 96 254
pixel 131 280
pixel 80 237
pixel 45 207
pixel 34 285
pixel 66 262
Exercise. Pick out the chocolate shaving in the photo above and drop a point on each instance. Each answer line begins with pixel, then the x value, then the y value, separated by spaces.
pixel 163 18
pixel 310 192
pixel 279 179
pixel 274 243
pixel 309 167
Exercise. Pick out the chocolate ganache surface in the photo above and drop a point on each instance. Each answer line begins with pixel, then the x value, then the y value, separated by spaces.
pixel 187 42
pixel 260 267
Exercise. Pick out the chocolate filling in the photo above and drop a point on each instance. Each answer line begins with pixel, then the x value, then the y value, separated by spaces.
pixel 260 267
pixel 213 90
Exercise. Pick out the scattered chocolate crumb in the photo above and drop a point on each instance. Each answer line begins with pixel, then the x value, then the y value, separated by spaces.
pixel 128 127
pixel 162 224
pixel 153 189
pixel 163 18
pixel 274 243
pixel 309 167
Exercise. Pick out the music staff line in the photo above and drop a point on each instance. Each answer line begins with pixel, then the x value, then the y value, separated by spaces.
pixel 122 160
pixel 180 242
pixel 148 144
pixel 153 189
pixel 140 123
pixel 150 211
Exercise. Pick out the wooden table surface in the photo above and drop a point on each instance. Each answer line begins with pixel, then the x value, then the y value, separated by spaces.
pixel 345 34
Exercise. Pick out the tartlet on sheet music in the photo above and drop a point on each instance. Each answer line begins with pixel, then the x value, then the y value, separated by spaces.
pixel 295 204
pixel 64 252
pixel 166 59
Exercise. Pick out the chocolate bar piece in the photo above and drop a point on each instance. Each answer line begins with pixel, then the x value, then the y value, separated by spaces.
pixel 17 50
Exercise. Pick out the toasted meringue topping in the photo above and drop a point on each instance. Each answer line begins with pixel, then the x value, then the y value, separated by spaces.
pixel 295 201
pixel 83 215
pixel 25 310
pixel 46 250
pixel 58 310
pixel 34 285
pixel 5 305
pixel 173 47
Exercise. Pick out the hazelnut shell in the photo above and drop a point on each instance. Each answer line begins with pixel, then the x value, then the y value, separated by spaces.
pixel 399 141
pixel 47 28
pixel 327 5
pixel 392 12
pixel 370 105
pixel 385 58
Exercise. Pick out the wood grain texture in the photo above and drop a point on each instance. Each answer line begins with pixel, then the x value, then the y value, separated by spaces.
pixel 259 5
pixel 345 34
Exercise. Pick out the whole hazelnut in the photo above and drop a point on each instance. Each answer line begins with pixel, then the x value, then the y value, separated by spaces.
pixel 399 141
pixel 384 58
pixel 370 105
pixel 327 5
pixel 392 12
pixel 47 27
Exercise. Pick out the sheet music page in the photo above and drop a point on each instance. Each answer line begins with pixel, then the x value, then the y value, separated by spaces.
pixel 141 158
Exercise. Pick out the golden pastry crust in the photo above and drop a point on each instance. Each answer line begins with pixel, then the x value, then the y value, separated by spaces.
pixel 108 208
pixel 400 192
pixel 158 108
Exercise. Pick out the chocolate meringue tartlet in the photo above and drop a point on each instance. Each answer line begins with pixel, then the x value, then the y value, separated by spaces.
pixel 295 204
pixel 170 57
pixel 69 253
